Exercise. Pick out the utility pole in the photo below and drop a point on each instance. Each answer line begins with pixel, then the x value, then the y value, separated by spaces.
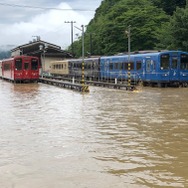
pixel 83 53
pixel 71 22
pixel 85 88
pixel 128 33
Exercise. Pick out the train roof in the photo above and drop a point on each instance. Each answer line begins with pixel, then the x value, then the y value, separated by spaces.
pixel 143 53
pixel 17 57
pixel 85 59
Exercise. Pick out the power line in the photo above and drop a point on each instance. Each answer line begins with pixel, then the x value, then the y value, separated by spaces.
pixel 43 8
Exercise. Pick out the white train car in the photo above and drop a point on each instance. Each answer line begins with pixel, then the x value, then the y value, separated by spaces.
pixel 59 68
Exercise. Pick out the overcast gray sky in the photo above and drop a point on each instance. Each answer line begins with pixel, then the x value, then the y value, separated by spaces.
pixel 20 20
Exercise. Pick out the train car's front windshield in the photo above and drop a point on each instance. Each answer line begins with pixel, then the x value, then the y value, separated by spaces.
pixel 184 62
pixel 165 60
pixel 18 64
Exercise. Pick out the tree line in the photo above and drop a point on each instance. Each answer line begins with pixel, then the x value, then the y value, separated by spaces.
pixel 154 25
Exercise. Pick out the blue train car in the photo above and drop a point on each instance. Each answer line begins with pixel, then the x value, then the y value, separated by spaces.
pixel 156 68
pixel 112 67
pixel 165 68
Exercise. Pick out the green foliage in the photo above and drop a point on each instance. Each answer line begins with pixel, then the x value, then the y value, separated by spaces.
pixel 174 35
pixel 179 29
pixel 169 6
pixel 151 27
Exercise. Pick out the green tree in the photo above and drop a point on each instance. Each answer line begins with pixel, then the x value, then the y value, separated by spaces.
pixel 113 18
pixel 169 6
pixel 179 29
pixel 174 34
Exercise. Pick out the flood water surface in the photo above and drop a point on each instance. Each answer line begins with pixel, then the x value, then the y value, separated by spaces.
pixel 53 137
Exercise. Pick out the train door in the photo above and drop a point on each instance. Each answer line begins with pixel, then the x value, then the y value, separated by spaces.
pixel 184 68
pixel 147 68
pixel 26 70
pixel 164 68
pixel 34 69
pixel 138 73
pixel 174 71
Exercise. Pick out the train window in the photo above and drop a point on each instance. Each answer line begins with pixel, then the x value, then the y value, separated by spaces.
pixel 148 65
pixel 111 66
pixel 120 66
pixel 184 62
pixel 174 62
pixel 125 66
pixel 116 65
pixel 165 59
pixel 34 64
pixel 26 66
pixel 18 64
pixel 89 65
pixel 69 65
pixel 131 66
pixel 138 65
pixel 93 65
pixel 6 66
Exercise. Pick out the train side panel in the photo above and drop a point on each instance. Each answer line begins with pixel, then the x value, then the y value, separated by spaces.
pixel 151 68
pixel 91 68
pixel 184 68
pixel 8 69
pixel 113 67
pixel 156 68
pixel 59 68
pixel 119 67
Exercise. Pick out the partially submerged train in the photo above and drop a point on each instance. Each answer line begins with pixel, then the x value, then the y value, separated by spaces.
pixel 20 69
pixel 162 68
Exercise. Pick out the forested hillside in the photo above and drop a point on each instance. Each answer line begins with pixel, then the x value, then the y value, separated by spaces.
pixel 154 24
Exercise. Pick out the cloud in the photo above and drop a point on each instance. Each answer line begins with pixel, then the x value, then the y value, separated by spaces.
pixel 48 24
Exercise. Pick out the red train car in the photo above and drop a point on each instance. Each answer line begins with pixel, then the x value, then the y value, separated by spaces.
pixel 20 69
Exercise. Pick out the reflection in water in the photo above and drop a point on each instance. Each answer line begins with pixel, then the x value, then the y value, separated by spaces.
pixel 52 137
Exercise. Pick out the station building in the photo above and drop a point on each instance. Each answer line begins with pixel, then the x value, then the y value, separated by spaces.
pixel 45 51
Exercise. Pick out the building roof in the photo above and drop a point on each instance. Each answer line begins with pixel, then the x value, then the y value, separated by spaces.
pixel 38 47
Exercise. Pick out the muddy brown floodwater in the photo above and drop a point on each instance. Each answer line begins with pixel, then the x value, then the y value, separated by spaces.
pixel 58 138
